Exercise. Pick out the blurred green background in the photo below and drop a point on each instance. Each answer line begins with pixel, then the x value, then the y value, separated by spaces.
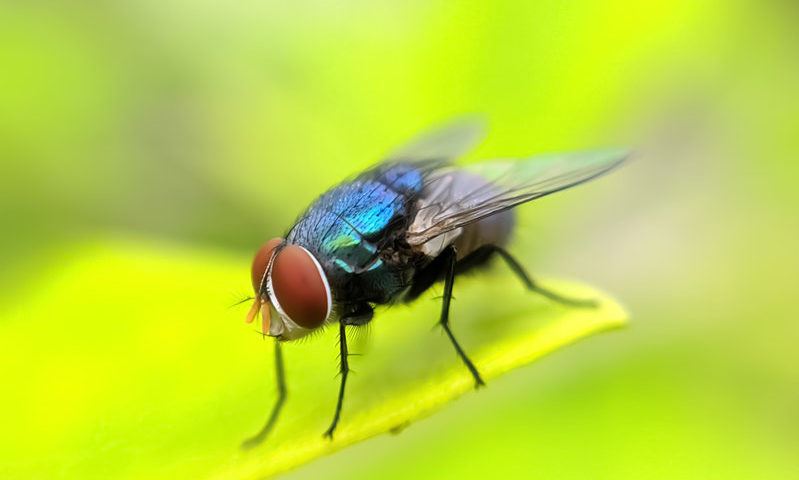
pixel 208 126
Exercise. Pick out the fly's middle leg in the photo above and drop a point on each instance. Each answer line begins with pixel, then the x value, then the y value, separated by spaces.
pixel 449 282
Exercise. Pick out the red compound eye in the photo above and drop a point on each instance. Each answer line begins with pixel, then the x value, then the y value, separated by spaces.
pixel 300 287
pixel 260 262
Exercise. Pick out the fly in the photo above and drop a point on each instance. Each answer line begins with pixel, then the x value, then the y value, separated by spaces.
pixel 390 233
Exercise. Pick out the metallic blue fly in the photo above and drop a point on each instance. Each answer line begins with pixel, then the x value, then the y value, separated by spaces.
pixel 396 229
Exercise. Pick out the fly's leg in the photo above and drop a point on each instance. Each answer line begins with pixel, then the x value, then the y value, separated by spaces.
pixel 531 285
pixel 359 315
pixel 449 282
pixel 344 368
pixel 281 398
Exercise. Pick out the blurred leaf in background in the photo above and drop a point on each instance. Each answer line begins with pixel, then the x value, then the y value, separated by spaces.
pixel 209 126
pixel 159 382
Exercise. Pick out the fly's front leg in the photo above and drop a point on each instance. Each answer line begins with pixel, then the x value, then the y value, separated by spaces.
pixel 449 283
pixel 359 315
pixel 280 375
pixel 344 367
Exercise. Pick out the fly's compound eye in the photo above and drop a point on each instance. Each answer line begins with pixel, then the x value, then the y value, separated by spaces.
pixel 261 261
pixel 300 287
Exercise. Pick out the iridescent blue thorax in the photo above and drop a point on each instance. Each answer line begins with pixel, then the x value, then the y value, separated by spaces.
pixel 356 232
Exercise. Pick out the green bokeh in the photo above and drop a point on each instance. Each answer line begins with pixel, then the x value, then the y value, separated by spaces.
pixel 207 126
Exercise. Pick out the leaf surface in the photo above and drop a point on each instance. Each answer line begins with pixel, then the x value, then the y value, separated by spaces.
pixel 127 361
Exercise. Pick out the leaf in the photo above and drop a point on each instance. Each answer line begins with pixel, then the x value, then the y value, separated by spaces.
pixel 127 361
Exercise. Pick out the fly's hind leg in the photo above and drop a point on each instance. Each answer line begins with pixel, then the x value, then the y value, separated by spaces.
pixel 533 286
pixel 449 282
pixel 280 375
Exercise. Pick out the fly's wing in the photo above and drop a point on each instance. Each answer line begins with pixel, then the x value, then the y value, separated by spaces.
pixel 381 198
pixel 499 185
pixel 442 144
pixel 408 168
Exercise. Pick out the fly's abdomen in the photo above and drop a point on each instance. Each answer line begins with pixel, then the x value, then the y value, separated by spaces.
pixel 445 196
pixel 493 230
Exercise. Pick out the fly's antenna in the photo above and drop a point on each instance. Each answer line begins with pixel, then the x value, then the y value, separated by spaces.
pixel 243 300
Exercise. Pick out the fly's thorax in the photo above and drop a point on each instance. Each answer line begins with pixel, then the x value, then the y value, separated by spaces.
pixel 356 231
pixel 376 281
pixel 359 268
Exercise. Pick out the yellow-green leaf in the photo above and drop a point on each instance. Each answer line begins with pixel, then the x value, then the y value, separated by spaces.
pixel 128 362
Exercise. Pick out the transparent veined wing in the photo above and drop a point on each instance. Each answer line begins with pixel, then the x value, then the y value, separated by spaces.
pixel 367 203
pixel 442 144
pixel 407 168
pixel 498 185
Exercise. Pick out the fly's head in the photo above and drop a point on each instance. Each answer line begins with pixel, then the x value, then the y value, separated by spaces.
pixel 290 279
